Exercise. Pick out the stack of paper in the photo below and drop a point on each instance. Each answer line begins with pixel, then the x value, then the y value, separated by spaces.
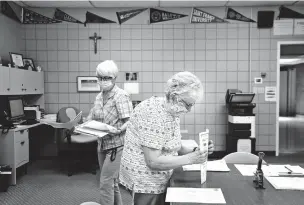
pixel 291 183
pixel 195 195
pixel 212 166
pixel 93 128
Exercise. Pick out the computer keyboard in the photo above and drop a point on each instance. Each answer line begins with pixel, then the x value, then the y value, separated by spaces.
pixel 29 122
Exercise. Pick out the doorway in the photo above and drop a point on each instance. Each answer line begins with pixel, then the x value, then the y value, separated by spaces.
pixel 290 103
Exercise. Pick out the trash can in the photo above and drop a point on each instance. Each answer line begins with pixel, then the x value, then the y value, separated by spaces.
pixel 5 175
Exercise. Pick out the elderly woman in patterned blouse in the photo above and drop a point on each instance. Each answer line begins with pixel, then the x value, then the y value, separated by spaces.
pixel 153 142
pixel 113 107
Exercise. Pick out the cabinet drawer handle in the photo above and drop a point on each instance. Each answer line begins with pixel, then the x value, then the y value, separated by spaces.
pixel 22 143
pixel 35 88
pixel 8 89
pixel 25 89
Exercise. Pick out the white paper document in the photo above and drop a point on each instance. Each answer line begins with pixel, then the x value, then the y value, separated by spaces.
pixel 66 125
pixel 195 195
pixel 93 124
pixel 290 183
pixel 271 170
pixel 131 88
pixel 217 166
pixel 296 169
pixel 212 166
pixel 249 170
pixel 204 142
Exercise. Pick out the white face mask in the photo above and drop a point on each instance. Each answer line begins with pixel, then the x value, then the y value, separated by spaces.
pixel 105 85
pixel 178 109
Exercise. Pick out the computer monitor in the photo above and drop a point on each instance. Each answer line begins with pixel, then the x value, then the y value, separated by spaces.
pixel 15 108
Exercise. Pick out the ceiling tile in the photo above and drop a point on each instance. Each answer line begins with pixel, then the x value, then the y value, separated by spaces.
pixel 125 3
pixel 59 4
pixel 259 3
pixel 195 3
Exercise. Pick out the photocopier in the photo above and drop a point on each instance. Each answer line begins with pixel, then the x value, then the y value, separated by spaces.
pixel 241 122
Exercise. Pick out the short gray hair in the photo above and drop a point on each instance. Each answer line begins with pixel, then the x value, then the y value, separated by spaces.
pixel 107 68
pixel 183 82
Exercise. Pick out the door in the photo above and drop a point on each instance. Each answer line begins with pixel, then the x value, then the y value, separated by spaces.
pixel 291 115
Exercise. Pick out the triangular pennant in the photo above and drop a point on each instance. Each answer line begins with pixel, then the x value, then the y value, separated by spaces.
pixel 199 16
pixel 159 16
pixel 62 16
pixel 31 17
pixel 123 16
pixel 234 15
pixel 7 10
pixel 288 13
pixel 93 18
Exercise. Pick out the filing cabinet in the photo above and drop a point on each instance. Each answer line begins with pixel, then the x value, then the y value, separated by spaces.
pixel 14 150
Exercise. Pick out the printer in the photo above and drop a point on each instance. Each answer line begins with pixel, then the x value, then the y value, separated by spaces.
pixel 241 122
pixel 32 112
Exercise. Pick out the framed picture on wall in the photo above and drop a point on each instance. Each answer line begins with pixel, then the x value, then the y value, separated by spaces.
pixel 16 59
pixel 131 76
pixel 87 84
pixel 29 64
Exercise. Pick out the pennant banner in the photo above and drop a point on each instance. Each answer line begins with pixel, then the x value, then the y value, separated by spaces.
pixel 7 10
pixel 123 16
pixel 62 16
pixel 234 15
pixel 288 13
pixel 93 18
pixel 199 16
pixel 31 17
pixel 160 16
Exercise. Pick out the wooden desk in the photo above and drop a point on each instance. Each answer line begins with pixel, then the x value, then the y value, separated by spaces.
pixel 237 189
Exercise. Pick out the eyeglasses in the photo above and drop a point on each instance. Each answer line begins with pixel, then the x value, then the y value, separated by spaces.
pixel 104 78
pixel 187 105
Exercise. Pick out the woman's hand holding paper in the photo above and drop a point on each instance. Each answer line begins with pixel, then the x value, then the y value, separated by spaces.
pixel 113 130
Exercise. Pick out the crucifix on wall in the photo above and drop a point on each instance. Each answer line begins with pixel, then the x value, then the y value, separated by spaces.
pixel 95 38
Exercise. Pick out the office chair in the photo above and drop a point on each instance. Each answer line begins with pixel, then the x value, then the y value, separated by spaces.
pixel 242 158
pixel 72 147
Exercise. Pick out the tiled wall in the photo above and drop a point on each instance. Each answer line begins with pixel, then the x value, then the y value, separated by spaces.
pixel 10 38
pixel 219 54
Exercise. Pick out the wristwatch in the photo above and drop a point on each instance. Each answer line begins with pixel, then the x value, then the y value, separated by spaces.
pixel 195 148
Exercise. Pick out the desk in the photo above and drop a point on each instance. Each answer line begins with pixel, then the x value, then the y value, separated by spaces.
pixel 14 148
pixel 237 189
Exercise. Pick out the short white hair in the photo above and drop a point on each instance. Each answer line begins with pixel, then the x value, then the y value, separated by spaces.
pixel 107 68
pixel 184 82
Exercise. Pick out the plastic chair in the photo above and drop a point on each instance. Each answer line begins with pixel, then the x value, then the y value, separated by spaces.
pixel 70 145
pixel 242 158
pixel 90 203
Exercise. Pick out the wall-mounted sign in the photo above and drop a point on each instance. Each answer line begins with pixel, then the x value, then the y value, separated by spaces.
pixel 270 93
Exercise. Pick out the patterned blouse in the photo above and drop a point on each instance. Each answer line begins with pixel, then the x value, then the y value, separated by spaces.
pixel 111 110
pixel 151 126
